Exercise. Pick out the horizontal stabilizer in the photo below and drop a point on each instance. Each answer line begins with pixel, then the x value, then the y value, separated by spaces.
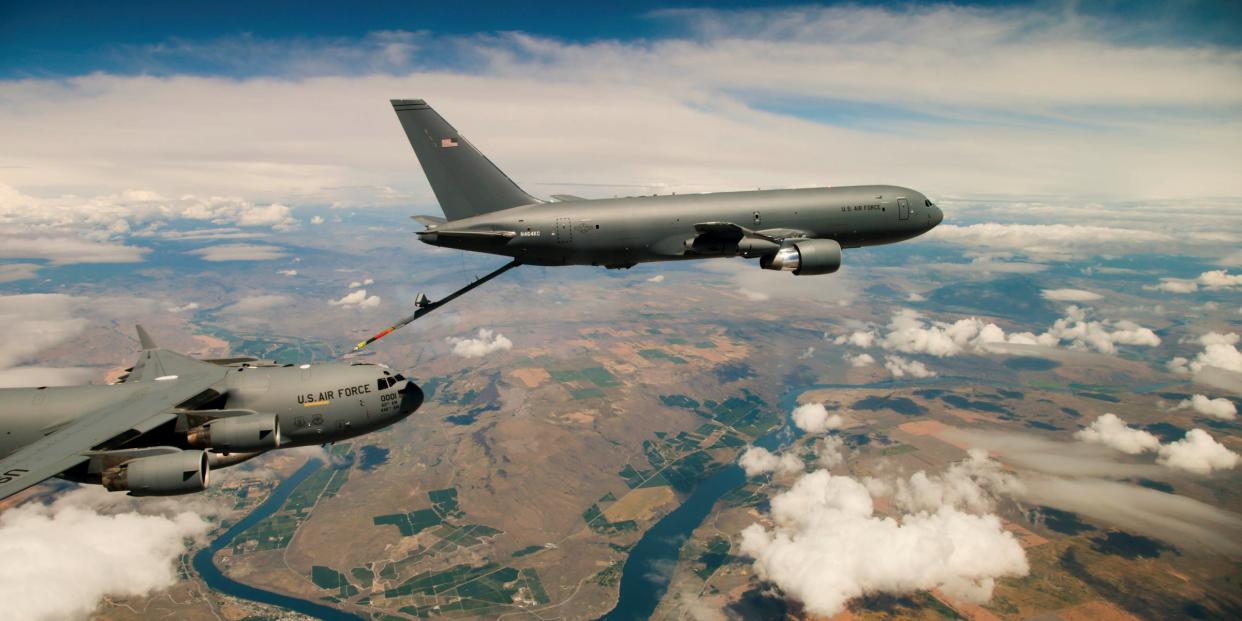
pixel 428 221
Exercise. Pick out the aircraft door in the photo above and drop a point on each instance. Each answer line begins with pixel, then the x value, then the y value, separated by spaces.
pixel 564 230
pixel 903 209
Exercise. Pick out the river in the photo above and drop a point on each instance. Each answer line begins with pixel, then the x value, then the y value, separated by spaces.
pixel 205 565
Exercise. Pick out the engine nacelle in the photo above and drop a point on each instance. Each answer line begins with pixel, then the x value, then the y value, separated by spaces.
pixel 184 472
pixel 806 257
pixel 241 434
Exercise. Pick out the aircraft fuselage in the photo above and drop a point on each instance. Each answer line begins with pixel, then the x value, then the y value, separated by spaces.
pixel 624 231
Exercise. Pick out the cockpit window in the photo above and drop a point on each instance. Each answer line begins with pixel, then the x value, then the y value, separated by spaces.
pixel 400 377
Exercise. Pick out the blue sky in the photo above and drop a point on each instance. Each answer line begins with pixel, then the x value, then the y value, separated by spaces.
pixel 72 37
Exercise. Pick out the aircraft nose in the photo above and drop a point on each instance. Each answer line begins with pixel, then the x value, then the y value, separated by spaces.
pixel 411 398
pixel 935 216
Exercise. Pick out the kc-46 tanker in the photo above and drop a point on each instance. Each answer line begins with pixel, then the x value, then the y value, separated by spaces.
pixel 172 419
pixel 801 230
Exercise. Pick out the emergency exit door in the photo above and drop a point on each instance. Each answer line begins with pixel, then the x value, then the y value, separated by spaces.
pixel 903 209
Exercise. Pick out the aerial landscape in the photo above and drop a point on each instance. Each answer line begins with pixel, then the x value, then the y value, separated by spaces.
pixel 1029 411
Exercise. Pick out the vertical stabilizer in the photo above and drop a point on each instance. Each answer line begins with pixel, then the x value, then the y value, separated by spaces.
pixel 465 182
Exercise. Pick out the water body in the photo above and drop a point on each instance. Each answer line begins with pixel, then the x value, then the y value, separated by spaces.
pixel 216 580
pixel 644 577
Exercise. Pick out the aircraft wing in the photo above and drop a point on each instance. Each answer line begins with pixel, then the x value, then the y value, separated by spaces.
pixel 161 380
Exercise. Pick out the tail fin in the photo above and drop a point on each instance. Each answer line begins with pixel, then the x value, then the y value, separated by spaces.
pixel 465 182
pixel 145 339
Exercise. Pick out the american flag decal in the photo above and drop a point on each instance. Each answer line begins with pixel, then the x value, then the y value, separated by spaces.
pixel 447 142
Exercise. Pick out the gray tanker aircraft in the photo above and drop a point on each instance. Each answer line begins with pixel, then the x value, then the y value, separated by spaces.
pixel 172 419
pixel 801 231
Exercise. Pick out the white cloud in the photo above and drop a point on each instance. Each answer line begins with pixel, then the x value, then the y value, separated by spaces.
pixel 43 320
pixel 357 299
pixel 485 342
pixel 1071 295
pixel 758 460
pixel 65 250
pixel 287 272
pixel 1199 453
pixel 1220 350
pixel 827 545
pixel 88 553
pixel 909 333
pixel 316 220
pixel 1113 432
pixel 864 339
pixel 361 283
pixel 814 418
pixel 861 360
pixel 10 272
pixel 656 278
pixel 808 354
pixel 901 367
pixel 239 252
pixel 832 452
pixel 1221 408
pixel 1212 281
pixel 1054 241
pixel 192 306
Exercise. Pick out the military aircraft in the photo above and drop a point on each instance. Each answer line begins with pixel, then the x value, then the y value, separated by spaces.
pixel 163 428
pixel 802 231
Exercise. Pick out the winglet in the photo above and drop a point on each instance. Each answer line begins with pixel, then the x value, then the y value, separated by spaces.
pixel 145 339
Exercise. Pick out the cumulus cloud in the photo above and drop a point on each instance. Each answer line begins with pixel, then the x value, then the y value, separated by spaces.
pixel 316 220
pixel 815 418
pixel 860 360
pixel 908 332
pixel 484 343
pixel 1220 350
pixel 827 545
pixel 1221 408
pixel 361 283
pixel 901 367
pixel 240 252
pixel 1071 295
pixel 1113 432
pixel 357 299
pixel 831 452
pixel 1212 281
pixel 192 306
pixel 90 550
pixel 656 278
pixel 758 460
pixel 1197 452
pixel 287 272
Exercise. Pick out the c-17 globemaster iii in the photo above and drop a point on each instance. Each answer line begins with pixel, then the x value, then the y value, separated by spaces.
pixel 802 231
pixel 163 428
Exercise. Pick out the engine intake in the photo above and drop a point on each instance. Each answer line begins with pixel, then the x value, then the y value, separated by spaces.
pixel 184 472
pixel 249 433
pixel 807 257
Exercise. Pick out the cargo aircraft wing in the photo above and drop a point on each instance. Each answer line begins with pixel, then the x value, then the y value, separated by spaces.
pixel 160 381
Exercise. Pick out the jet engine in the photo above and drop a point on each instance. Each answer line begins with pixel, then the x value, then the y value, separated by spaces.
pixel 805 257
pixel 252 432
pixel 183 472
